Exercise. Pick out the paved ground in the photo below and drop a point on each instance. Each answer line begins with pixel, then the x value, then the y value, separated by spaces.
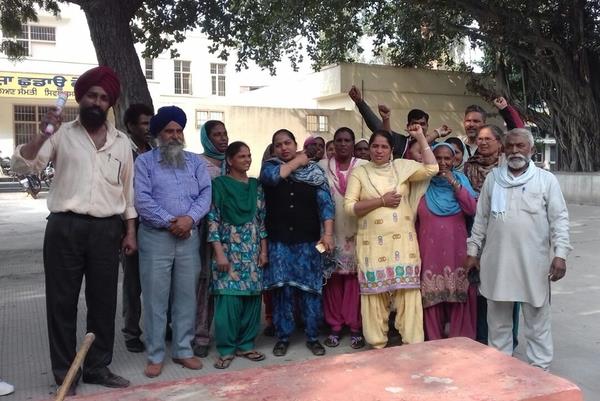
pixel 24 359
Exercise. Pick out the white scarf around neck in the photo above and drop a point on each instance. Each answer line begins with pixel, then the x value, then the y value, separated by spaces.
pixel 503 181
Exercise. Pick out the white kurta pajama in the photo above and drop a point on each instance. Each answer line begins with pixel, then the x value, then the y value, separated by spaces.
pixel 516 252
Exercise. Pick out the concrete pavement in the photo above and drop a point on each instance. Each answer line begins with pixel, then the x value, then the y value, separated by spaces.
pixel 24 358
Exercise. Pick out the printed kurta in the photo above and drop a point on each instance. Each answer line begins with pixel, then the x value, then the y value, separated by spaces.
pixel 519 247
pixel 387 246
pixel 241 245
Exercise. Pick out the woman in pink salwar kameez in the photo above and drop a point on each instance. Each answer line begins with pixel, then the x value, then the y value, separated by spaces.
pixel 341 294
pixel 447 296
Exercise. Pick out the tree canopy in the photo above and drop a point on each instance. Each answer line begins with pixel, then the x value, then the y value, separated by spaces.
pixel 543 55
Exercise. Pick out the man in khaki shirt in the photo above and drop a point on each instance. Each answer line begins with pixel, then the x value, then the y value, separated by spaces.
pixel 91 196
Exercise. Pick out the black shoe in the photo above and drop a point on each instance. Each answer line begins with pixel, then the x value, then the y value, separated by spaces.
pixel 280 348
pixel 315 347
pixel 108 379
pixel 201 351
pixel 134 345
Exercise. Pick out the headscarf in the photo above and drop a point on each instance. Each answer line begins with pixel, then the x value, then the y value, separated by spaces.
pixel 235 200
pixel 210 150
pixel 164 116
pixel 455 140
pixel 502 181
pixel 478 167
pixel 440 197
pixel 102 76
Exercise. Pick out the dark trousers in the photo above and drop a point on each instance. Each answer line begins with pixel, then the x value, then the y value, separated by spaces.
pixel 132 290
pixel 78 246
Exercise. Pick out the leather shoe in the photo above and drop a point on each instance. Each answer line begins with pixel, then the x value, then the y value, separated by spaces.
pixel 108 379
pixel 135 345
pixel 153 369
pixel 190 363
pixel 280 348
pixel 201 351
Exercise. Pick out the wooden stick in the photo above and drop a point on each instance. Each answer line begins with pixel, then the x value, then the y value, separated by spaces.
pixel 79 357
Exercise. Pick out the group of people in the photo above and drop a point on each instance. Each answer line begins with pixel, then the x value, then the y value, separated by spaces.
pixel 344 233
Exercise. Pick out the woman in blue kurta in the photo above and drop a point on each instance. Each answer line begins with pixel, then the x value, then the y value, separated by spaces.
pixel 237 233
pixel 299 209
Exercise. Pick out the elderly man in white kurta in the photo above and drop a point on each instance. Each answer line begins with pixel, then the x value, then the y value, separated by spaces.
pixel 521 233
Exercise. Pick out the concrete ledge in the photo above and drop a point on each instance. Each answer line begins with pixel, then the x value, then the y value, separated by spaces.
pixel 582 188
pixel 445 370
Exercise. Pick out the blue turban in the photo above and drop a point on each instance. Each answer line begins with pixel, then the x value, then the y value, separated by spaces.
pixel 164 116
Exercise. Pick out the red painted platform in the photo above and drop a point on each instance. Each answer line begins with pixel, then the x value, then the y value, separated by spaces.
pixel 456 369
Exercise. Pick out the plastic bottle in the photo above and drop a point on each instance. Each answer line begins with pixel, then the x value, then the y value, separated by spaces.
pixel 61 100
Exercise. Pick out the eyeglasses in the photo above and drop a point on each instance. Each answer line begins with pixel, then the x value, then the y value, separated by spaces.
pixel 486 139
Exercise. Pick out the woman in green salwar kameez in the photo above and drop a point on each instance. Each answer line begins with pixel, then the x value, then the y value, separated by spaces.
pixel 237 232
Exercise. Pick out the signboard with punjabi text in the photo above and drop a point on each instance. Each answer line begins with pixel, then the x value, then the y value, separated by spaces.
pixel 35 86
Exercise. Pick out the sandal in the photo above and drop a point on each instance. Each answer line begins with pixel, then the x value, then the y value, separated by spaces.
pixel 357 341
pixel 223 362
pixel 333 340
pixel 253 355
pixel 315 347
pixel 280 348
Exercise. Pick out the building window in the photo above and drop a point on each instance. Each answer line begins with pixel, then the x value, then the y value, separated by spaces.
pixel 27 120
pixel 34 33
pixel 203 116
pixel 317 123
pixel 42 33
pixel 149 68
pixel 183 77
pixel 217 76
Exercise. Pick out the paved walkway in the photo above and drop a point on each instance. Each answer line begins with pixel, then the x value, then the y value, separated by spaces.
pixel 24 359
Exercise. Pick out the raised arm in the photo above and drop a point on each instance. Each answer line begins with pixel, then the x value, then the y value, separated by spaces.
pixel 509 114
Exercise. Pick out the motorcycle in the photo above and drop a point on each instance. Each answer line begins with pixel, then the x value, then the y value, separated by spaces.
pixel 47 175
pixel 31 184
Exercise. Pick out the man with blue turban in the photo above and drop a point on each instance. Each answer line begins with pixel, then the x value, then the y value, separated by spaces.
pixel 172 194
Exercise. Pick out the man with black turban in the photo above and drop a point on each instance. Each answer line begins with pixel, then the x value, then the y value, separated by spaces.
pixel 172 194
pixel 90 198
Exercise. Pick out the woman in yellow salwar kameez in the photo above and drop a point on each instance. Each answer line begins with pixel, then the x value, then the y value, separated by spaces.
pixel 384 195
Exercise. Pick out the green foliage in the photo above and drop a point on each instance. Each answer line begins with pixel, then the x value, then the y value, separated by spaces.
pixel 14 13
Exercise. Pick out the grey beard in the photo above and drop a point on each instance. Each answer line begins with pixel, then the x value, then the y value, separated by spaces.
pixel 172 154
pixel 517 162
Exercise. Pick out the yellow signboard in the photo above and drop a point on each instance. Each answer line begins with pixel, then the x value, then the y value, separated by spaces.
pixel 35 86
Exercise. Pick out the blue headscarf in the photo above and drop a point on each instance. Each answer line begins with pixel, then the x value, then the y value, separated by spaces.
pixel 440 197
pixel 164 116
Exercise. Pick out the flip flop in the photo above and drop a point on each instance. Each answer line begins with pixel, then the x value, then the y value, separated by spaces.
pixel 253 355
pixel 223 362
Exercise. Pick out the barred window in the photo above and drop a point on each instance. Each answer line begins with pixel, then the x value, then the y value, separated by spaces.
pixel 317 123
pixel 183 77
pixel 27 120
pixel 42 33
pixel 202 116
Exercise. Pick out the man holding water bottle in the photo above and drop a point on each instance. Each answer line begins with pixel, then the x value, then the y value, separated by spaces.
pixel 91 195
